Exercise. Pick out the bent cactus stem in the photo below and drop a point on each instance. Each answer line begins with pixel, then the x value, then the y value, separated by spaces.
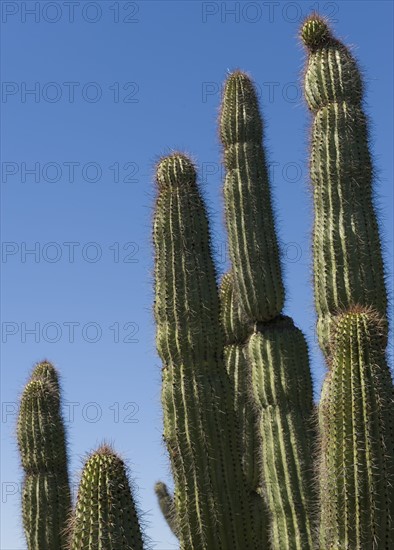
pixel 356 407
pixel 167 506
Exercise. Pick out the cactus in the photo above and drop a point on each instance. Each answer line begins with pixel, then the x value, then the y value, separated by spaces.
pixel 46 500
pixel 105 515
pixel 264 352
pixel 239 421
pixel 356 409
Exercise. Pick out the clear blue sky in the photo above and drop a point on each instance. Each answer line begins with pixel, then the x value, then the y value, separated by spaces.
pixel 115 85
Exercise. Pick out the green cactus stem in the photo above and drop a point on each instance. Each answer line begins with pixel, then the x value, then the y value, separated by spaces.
pixel 357 423
pixel 167 506
pixel 348 264
pixel 105 517
pixel 212 500
pixel 250 223
pixel 46 500
pixel 276 350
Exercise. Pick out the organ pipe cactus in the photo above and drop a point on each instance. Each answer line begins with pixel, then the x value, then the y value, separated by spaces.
pixel 255 465
pixel 356 410
pixel 265 353
pixel 46 500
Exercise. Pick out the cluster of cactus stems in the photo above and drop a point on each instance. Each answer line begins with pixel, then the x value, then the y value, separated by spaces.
pixel 105 515
pixel 256 465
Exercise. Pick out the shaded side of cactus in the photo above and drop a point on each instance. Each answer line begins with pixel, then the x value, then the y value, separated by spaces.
pixel 276 350
pixel 105 516
pixel 212 499
pixel 357 423
pixel 167 506
pixel 348 264
pixel 46 500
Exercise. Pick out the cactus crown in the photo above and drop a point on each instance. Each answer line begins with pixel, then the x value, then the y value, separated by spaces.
pixel 315 32
pixel 175 170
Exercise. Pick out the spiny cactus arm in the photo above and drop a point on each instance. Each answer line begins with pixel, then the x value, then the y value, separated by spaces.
pixel 46 501
pixel 212 500
pixel 253 244
pixel 106 516
pixel 167 506
pixel 348 264
pixel 282 388
pixel 277 356
pixel 357 431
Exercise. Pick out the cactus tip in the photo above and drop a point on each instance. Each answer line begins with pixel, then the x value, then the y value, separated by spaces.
pixel 175 169
pixel 315 32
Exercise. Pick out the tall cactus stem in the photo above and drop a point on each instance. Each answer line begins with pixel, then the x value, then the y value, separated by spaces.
pixel 212 500
pixel 46 499
pixel 348 264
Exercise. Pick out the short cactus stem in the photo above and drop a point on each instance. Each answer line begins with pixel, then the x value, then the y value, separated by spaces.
pixel 105 517
pixel 357 454
pixel 167 506
pixel 236 332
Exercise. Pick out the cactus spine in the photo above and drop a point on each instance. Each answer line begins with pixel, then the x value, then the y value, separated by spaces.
pixel 46 500
pixel 356 409
pixel 105 516
pixel 213 502
pixel 280 379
